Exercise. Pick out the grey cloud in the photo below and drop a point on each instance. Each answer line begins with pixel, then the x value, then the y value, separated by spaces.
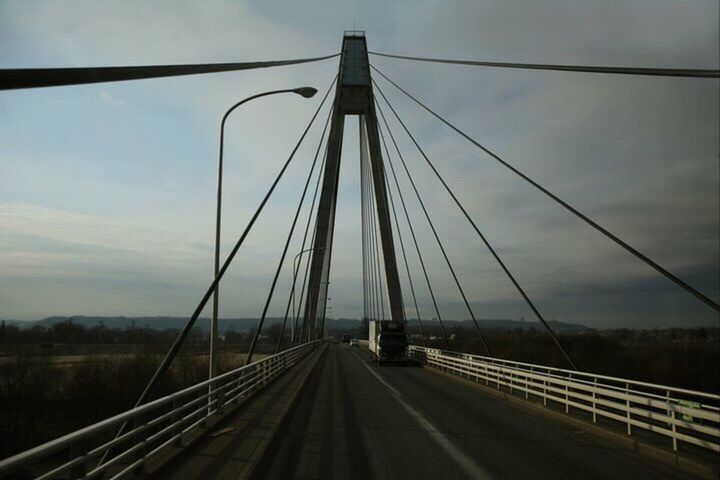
pixel 639 155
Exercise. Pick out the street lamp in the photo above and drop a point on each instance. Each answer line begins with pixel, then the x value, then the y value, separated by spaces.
pixel 292 293
pixel 325 307
pixel 306 92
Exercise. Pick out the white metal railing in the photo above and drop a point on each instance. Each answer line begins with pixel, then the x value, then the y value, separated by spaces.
pixel 151 427
pixel 680 414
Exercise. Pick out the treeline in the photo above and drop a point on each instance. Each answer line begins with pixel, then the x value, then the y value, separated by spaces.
pixel 680 357
pixel 69 332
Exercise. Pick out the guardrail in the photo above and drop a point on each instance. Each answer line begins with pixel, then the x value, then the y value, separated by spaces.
pixel 680 414
pixel 151 427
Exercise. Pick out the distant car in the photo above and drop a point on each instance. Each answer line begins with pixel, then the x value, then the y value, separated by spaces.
pixel 354 342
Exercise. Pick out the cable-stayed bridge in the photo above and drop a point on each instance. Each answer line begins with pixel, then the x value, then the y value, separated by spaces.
pixel 318 409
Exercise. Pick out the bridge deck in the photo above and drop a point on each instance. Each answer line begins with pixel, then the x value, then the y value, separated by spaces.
pixel 355 420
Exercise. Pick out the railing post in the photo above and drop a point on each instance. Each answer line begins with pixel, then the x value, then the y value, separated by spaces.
pixel 138 440
pixel 567 393
pixel 79 470
pixel 627 407
pixel 527 386
pixel 176 418
pixel 673 427
pixel 203 424
pixel 594 403
pixel 674 431
pixel 220 399
pixel 240 387
pixel 545 391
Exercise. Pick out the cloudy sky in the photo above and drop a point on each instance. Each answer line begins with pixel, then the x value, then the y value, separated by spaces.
pixel 107 190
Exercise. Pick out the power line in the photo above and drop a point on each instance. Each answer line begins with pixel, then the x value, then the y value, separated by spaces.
pixel 658 72
pixel 435 234
pixel 16 78
pixel 485 241
pixel 564 204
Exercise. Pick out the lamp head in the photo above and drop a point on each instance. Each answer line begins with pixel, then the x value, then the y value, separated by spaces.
pixel 306 92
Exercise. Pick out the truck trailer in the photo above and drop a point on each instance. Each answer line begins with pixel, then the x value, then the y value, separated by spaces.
pixel 387 342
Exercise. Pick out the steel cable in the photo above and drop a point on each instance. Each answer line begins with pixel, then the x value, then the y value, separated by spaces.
pixel 402 244
pixel 435 233
pixel 485 241
pixel 661 72
pixel 174 348
pixel 417 250
pixel 287 245
pixel 16 78
pixel 564 204
pixel 377 267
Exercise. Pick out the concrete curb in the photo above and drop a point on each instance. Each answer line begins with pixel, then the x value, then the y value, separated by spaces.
pixel 689 465
pixel 258 460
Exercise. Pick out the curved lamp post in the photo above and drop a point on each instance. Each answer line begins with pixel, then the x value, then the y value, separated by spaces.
pixel 306 92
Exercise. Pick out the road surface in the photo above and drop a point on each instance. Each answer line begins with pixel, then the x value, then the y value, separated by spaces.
pixel 356 420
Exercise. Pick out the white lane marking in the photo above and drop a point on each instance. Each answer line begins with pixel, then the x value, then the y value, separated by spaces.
pixel 468 464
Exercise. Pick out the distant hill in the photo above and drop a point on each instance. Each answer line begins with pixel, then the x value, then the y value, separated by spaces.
pixel 239 324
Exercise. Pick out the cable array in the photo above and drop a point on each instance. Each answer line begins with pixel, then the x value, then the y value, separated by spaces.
pixel 434 231
pixel 291 296
pixel 558 200
pixel 402 244
pixel 658 72
pixel 17 78
pixel 480 234
pixel 374 262
pixel 253 343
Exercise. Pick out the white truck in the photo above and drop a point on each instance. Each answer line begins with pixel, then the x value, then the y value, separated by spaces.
pixel 387 342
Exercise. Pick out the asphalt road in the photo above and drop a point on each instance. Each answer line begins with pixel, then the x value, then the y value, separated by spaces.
pixel 356 420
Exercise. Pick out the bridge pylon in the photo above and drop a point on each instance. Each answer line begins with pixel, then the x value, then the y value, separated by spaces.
pixel 353 96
